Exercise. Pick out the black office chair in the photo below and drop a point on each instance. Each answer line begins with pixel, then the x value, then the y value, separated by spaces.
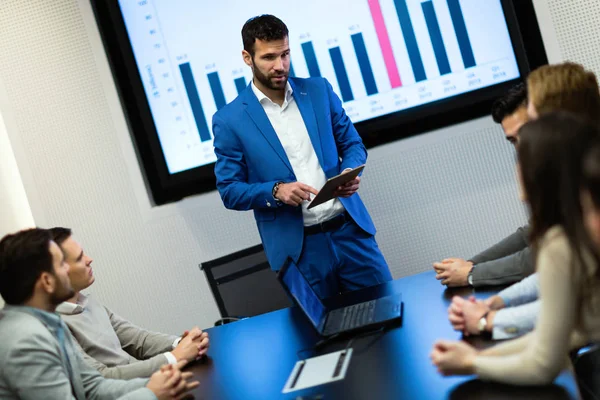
pixel 586 363
pixel 244 285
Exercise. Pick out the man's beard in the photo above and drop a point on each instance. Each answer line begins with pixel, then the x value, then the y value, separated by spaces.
pixel 62 294
pixel 267 82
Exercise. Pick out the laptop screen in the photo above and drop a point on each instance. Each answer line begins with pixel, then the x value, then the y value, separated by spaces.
pixel 303 294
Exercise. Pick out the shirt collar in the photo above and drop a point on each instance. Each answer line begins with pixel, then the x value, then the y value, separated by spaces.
pixel 68 308
pixel 262 98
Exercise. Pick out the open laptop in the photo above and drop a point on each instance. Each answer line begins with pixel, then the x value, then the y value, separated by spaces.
pixel 330 322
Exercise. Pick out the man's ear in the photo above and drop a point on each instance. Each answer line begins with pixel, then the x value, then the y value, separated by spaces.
pixel 247 58
pixel 47 282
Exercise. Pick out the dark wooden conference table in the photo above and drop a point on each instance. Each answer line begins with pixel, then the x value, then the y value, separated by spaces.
pixel 252 358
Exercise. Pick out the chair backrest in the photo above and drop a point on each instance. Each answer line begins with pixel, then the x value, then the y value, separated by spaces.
pixel 244 285
pixel 587 370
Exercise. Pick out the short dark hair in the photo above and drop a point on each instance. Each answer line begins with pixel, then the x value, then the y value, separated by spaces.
pixel 515 98
pixel 59 234
pixel 263 27
pixel 23 257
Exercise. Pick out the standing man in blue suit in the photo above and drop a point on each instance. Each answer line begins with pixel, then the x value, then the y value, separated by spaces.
pixel 275 143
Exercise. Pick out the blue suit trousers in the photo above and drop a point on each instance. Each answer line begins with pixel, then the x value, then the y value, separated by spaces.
pixel 343 260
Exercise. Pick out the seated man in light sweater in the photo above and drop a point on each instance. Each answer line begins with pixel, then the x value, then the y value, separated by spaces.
pixel 114 346
pixel 509 260
pixel 38 357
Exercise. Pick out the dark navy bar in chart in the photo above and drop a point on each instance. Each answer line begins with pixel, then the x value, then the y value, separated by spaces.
pixel 194 98
pixel 341 74
pixel 240 84
pixel 410 39
pixel 364 63
pixel 311 59
pixel 217 90
pixel 460 28
pixel 435 34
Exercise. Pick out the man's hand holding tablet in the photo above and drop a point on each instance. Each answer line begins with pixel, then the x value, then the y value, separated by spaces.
pixel 342 185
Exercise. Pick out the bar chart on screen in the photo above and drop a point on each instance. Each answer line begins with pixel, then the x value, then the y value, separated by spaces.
pixel 380 56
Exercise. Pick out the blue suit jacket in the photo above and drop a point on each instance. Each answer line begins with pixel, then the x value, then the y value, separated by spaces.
pixel 251 160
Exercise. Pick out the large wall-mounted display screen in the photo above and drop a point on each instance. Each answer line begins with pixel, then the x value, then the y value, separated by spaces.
pixel 400 67
pixel 381 56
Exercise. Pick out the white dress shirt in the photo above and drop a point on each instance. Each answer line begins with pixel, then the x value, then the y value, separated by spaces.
pixel 293 135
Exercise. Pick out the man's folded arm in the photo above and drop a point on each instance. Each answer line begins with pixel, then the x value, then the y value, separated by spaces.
pixel 511 244
pixel 515 321
pixel 140 369
pixel 505 270
pixel 138 342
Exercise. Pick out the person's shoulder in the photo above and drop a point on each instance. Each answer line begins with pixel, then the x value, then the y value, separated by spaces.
pixel 18 321
pixel 554 239
pixel 16 327
pixel 310 83
pixel 555 250
pixel 232 108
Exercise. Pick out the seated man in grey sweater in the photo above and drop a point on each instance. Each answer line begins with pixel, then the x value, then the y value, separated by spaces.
pixel 509 260
pixel 114 346
pixel 38 358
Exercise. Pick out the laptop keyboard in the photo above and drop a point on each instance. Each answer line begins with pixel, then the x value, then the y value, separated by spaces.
pixel 357 315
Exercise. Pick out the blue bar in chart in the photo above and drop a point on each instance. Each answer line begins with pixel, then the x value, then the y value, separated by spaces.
pixel 240 84
pixel 363 62
pixel 195 104
pixel 435 34
pixel 411 40
pixel 460 28
pixel 217 90
pixel 341 74
pixel 311 59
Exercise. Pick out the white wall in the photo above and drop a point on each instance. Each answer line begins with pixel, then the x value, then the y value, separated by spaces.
pixel 15 213
pixel 449 192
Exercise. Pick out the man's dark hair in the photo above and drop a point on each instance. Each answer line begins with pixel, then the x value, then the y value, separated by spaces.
pixel 263 27
pixel 23 257
pixel 509 103
pixel 59 234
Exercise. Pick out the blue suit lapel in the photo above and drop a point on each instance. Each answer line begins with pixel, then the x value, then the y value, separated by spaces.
pixel 307 111
pixel 256 112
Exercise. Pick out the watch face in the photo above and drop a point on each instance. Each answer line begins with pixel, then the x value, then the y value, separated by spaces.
pixel 482 324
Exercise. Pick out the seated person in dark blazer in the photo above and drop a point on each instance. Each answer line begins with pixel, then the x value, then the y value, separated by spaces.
pixel 510 259
pixel 114 346
pixel 38 358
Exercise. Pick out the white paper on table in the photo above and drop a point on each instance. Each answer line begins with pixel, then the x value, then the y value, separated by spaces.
pixel 318 371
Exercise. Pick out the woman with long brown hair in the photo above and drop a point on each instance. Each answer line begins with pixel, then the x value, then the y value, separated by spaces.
pixel 549 155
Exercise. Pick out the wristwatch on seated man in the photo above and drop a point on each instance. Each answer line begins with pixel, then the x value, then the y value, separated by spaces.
pixel 483 322
pixel 470 275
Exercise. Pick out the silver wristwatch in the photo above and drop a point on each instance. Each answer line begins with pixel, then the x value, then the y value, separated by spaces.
pixel 482 323
pixel 470 276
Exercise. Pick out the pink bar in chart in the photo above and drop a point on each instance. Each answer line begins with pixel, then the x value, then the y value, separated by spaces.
pixel 385 44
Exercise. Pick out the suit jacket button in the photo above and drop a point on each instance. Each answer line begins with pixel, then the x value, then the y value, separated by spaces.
pixel 268 204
